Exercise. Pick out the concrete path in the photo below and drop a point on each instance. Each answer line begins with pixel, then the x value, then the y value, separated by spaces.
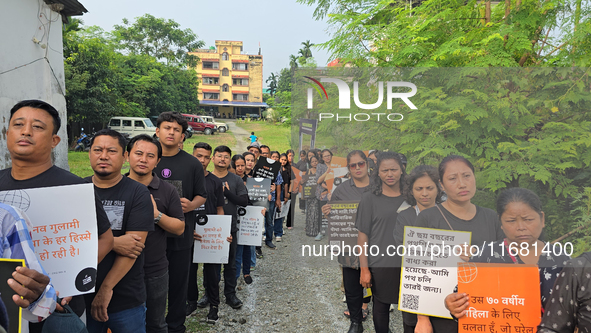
pixel 241 135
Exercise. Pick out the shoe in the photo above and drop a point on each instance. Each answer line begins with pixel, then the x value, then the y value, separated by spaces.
pixel 212 316
pixel 392 307
pixel 355 327
pixel 319 237
pixel 365 313
pixel 270 244
pixel 233 301
pixel 203 302
pixel 248 279
pixel 278 239
pixel 259 252
pixel 289 228
pixel 191 307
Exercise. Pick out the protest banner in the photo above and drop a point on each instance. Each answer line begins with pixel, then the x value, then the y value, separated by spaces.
pixel 213 247
pixel 266 168
pixel 341 224
pixel 64 233
pixel 258 190
pixel 503 297
pixel 309 187
pixel 12 321
pixel 251 225
pixel 429 269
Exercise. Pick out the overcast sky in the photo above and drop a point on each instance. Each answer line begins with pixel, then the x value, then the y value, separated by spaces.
pixel 279 25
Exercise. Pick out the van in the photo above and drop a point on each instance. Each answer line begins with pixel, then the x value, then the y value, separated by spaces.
pixel 132 126
pixel 200 125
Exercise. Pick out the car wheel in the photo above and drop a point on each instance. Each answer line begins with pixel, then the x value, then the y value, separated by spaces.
pixel 188 134
pixel 207 131
pixel 222 129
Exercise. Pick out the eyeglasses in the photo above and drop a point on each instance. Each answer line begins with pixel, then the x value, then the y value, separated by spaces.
pixel 358 164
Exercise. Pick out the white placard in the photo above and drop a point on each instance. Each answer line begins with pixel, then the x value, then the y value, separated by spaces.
pixel 213 247
pixel 64 233
pixel 429 272
pixel 251 226
pixel 284 210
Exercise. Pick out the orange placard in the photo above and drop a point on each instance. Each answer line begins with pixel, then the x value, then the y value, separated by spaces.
pixel 298 177
pixel 503 297
pixel 338 162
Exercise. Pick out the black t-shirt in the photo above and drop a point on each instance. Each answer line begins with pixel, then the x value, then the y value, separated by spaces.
pixel 376 217
pixel 129 208
pixel 348 191
pixel 168 202
pixel 237 188
pixel 185 173
pixel 54 176
pixel 484 226
pixel 215 196
pixel 406 218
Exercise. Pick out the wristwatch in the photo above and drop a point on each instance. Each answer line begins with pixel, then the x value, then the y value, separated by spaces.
pixel 156 220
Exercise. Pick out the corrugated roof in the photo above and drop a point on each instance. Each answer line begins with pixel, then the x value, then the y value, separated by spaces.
pixel 71 8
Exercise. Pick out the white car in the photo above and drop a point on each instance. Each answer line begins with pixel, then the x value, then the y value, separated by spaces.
pixel 222 127
pixel 132 126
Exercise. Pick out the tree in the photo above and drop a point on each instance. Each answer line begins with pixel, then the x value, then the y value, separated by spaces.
pixel 306 51
pixel 293 62
pixel 160 38
pixel 273 85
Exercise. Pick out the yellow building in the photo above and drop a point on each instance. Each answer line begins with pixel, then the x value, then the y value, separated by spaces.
pixel 231 81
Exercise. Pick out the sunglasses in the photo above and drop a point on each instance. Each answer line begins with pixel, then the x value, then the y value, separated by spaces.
pixel 358 164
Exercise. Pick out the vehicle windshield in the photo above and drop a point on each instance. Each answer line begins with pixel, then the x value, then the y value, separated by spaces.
pixel 148 122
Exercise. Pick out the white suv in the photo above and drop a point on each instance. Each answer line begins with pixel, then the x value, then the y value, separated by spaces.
pixel 222 127
pixel 132 126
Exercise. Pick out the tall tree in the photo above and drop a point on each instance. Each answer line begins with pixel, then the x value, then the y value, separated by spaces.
pixel 293 62
pixel 273 85
pixel 306 50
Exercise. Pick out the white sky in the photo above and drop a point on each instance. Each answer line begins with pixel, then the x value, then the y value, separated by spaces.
pixel 279 25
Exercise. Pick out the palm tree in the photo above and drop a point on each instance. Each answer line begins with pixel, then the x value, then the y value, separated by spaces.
pixel 273 85
pixel 293 62
pixel 307 49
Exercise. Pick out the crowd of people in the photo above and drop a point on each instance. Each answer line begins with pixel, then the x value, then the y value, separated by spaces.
pixel 146 279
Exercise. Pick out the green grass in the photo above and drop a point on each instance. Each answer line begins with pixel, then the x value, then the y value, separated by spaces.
pixel 275 136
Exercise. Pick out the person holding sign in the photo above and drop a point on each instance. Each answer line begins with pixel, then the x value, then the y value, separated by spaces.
pixel 376 217
pixel 522 221
pixel 144 153
pixel 422 191
pixel 458 213
pixel 313 218
pixel 322 192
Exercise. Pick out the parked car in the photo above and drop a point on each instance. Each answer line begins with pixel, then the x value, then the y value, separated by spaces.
pixel 132 126
pixel 221 127
pixel 199 125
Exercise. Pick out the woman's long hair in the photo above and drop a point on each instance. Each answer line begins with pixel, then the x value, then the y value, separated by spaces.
pixel 376 181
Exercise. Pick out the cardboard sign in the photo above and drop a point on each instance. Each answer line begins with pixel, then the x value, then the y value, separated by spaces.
pixel 213 247
pixel 429 269
pixel 251 225
pixel 64 233
pixel 298 178
pixel 266 168
pixel 309 187
pixel 258 190
pixel 341 224
pixel 503 297
pixel 283 211
pixel 13 312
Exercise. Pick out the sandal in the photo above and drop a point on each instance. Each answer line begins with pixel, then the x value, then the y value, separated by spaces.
pixel 347 314
pixel 365 313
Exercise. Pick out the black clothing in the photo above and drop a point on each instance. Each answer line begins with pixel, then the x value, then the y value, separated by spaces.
pixel 405 218
pixel 353 293
pixel 348 191
pixel 236 196
pixel 179 263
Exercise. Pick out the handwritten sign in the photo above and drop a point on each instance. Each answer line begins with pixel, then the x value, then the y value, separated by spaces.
pixel 13 312
pixel 213 247
pixel 309 187
pixel 266 168
pixel 258 190
pixel 283 211
pixel 341 224
pixel 64 233
pixel 503 297
pixel 252 223
pixel 429 269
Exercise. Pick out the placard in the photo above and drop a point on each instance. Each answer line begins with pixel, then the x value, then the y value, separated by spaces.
pixel 429 269
pixel 64 233
pixel 13 311
pixel 503 297
pixel 341 224
pixel 213 247
pixel 283 211
pixel 258 190
pixel 298 178
pixel 309 187
pixel 251 226
pixel 266 168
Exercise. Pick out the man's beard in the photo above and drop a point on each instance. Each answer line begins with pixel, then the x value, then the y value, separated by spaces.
pixel 102 174
pixel 141 173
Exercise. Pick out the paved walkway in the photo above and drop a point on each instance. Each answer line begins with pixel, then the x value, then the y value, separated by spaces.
pixel 241 135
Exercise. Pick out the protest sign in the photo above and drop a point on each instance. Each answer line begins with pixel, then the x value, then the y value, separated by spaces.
pixel 64 233
pixel 213 247
pixel 266 168
pixel 309 187
pixel 429 269
pixel 283 211
pixel 298 178
pixel 503 297
pixel 258 190
pixel 252 223
pixel 12 321
pixel 341 224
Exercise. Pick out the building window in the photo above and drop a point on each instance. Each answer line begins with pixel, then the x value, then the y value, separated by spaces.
pixel 225 72
pixel 240 82
pixel 225 87
pixel 211 80
pixel 210 65
pixel 240 66
pixel 215 96
pixel 240 97
pixel 225 56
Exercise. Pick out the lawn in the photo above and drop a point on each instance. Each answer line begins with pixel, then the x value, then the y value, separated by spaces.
pixel 275 136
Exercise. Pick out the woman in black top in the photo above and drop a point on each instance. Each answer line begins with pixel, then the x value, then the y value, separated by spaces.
pixel 312 204
pixel 239 164
pixel 376 217
pixel 250 161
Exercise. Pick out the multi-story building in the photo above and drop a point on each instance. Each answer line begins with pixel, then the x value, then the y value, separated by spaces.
pixel 231 81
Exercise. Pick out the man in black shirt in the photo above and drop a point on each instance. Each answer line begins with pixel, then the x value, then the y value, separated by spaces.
pixel 144 153
pixel 119 302
pixel 235 194
pixel 213 206
pixel 30 138
pixel 185 173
